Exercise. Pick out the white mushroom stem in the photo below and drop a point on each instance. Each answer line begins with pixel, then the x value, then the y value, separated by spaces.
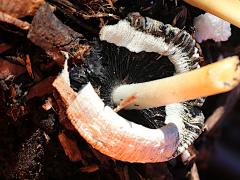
pixel 225 9
pixel 215 78
pixel 113 135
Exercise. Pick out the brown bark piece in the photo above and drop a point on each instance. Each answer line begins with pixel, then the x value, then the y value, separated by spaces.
pixel 48 32
pixel 61 111
pixel 29 66
pixel 90 169
pixel 4 47
pixel 42 88
pixel 14 21
pixel 63 99
pixel 9 69
pixel 20 8
pixel 70 147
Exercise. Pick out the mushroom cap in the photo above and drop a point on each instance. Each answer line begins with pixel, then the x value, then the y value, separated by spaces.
pixel 109 65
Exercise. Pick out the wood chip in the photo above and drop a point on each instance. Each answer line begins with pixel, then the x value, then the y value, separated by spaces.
pixel 20 8
pixel 48 32
pixel 48 104
pixel 42 88
pixel 61 111
pixel 14 21
pixel 70 147
pixel 9 69
pixel 29 66
pixel 90 169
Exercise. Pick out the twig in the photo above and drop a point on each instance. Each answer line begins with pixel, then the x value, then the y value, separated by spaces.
pixel 213 119
pixel 12 20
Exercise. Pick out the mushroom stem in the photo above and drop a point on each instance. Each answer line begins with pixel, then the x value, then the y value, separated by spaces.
pixel 225 9
pixel 215 78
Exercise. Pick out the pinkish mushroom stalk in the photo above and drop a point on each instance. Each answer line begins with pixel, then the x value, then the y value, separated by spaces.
pixel 215 78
